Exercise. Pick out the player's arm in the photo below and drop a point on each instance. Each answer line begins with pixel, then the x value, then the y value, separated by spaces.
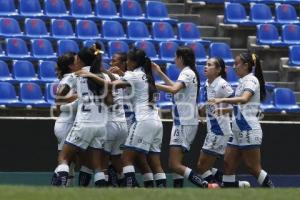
pixel 246 96
pixel 164 77
pixel 174 88
pixel 63 96
pixel 109 99
pixel 222 111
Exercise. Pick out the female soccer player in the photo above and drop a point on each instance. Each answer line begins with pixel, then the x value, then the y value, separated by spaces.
pixel 66 103
pixel 185 113
pixel 145 134
pixel 247 133
pixel 218 121
pixel 89 129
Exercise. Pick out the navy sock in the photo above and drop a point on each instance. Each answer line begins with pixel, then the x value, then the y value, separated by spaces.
pixel 197 180
pixel 101 183
pixel 161 183
pixel 62 178
pixel 130 180
pixel 234 184
pixel 54 179
pixel 149 184
pixel 217 177
pixel 112 176
pixel 267 182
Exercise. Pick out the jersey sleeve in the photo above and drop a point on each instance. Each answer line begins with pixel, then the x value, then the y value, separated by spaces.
pixel 129 77
pixel 251 85
pixel 186 77
pixel 226 90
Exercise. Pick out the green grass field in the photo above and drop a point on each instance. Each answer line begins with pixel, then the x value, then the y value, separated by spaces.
pixel 41 193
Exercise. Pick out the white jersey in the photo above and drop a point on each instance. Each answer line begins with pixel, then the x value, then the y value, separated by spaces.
pixel 185 110
pixel 116 111
pixel 91 108
pixel 139 95
pixel 68 111
pixel 218 125
pixel 245 115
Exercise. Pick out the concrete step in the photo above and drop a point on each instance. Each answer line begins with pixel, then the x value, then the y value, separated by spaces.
pixel 237 51
pixel 218 39
pixel 207 31
pixel 175 8
pixel 195 18
pixel 297 95
pixel 290 85
pixel 271 75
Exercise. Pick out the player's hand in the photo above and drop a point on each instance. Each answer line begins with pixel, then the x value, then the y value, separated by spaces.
pixel 214 101
pixel 155 67
pixel 116 70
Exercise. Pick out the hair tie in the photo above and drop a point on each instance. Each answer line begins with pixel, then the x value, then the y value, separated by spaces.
pixel 97 51
pixel 254 58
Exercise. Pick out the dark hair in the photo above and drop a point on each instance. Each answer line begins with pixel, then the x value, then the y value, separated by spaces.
pixel 63 63
pixel 139 57
pixel 188 57
pixel 219 62
pixel 253 61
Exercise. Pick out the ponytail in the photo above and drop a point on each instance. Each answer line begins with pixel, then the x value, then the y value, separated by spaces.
pixel 259 75
pixel 220 63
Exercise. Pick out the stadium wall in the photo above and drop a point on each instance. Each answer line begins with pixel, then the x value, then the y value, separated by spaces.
pixel 29 145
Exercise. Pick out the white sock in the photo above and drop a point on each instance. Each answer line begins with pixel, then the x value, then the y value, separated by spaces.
pixel 206 174
pixel 128 169
pixel 99 176
pixel 177 176
pixel 106 177
pixel 160 176
pixel 62 168
pixel 187 172
pixel 262 176
pixel 228 178
pixel 214 171
pixel 148 177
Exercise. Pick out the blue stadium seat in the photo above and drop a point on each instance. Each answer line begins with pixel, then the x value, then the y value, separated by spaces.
pixel 81 9
pixel 162 32
pixel 87 29
pixel 261 14
pixel 202 76
pixel 2 54
pixel 30 8
pixel 291 34
pixel 231 76
pixel 149 48
pixel 36 28
pixel 157 11
pixel 112 30
pixel 56 9
pixel 172 72
pixel 222 50
pixel 131 10
pixel 23 71
pixel 42 49
pixel 202 96
pixel 8 8
pixel 106 10
pixel 164 101
pixel 16 48
pixel 267 105
pixel 5 75
pixel 9 27
pixel 117 46
pixel 188 32
pixel 199 50
pixel 294 55
pixel 137 30
pixel 286 14
pixel 284 99
pixel 62 29
pixel 46 71
pixel 267 34
pixel 50 92
pixel 31 95
pixel 64 46
pixel 167 51
pixel 8 95
pixel 235 13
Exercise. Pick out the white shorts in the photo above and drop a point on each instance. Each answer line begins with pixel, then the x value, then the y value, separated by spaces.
pixel 145 136
pixel 61 130
pixel 215 144
pixel 84 135
pixel 117 133
pixel 246 139
pixel 183 136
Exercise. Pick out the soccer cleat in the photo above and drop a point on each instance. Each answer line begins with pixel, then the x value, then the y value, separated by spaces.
pixel 244 184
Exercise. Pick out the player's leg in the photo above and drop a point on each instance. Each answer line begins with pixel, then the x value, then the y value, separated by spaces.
pixel 232 159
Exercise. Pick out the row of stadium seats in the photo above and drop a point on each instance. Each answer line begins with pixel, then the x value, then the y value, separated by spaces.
pixel 265 1
pixel 104 9
pixel 235 13
pixel 16 48
pixel 111 30
pixel 23 71
pixel 267 34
